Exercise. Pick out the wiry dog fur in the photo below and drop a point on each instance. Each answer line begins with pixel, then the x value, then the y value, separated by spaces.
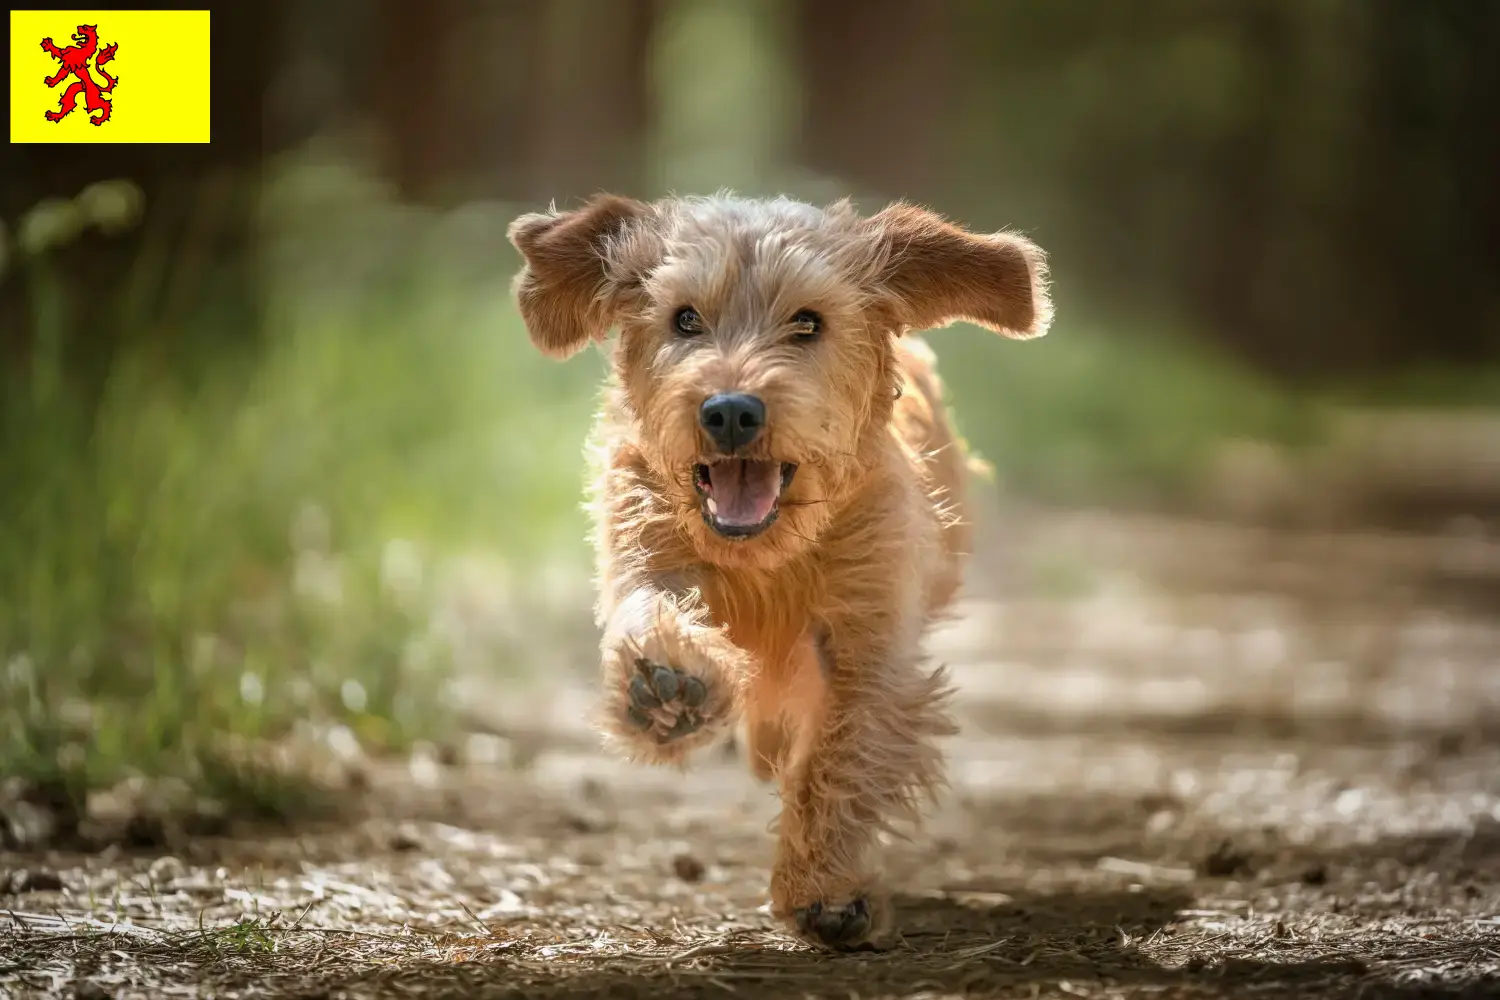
pixel 809 632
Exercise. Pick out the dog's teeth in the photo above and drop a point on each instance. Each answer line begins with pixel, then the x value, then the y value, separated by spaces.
pixel 713 508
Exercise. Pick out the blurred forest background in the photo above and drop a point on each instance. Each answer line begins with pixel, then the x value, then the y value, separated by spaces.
pixel 271 421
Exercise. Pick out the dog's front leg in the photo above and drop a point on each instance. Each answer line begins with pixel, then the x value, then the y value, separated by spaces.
pixel 864 757
pixel 672 680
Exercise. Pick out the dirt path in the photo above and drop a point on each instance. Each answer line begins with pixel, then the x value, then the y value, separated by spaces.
pixel 1285 785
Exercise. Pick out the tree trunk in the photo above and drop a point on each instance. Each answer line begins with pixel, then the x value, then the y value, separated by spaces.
pixel 877 79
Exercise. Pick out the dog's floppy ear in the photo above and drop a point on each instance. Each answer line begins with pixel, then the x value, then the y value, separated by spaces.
pixel 568 290
pixel 937 273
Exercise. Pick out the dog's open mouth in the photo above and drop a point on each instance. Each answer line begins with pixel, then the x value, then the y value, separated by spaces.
pixel 742 496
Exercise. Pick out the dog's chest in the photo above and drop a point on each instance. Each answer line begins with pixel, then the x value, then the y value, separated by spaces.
pixel 764 614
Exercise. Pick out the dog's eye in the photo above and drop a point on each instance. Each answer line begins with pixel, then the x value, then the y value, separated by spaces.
pixel 687 322
pixel 807 325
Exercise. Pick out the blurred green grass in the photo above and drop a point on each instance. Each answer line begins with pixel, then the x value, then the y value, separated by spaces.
pixel 1095 414
pixel 231 548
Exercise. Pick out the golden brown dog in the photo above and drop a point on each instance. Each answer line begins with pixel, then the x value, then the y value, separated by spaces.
pixel 777 496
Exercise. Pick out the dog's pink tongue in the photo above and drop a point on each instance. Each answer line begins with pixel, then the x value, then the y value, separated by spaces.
pixel 744 491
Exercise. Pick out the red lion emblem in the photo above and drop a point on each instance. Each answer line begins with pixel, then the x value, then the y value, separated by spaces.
pixel 75 62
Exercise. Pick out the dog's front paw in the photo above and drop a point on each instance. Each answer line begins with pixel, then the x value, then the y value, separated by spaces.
pixel 670 686
pixel 665 702
pixel 842 925
pixel 834 909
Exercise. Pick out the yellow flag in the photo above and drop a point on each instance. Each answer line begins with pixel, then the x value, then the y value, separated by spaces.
pixel 109 76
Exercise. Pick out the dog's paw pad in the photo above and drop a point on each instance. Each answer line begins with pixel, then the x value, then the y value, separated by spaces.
pixel 665 701
pixel 664 679
pixel 641 695
pixel 836 926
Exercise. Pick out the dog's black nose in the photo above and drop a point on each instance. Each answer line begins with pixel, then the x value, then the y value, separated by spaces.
pixel 732 419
